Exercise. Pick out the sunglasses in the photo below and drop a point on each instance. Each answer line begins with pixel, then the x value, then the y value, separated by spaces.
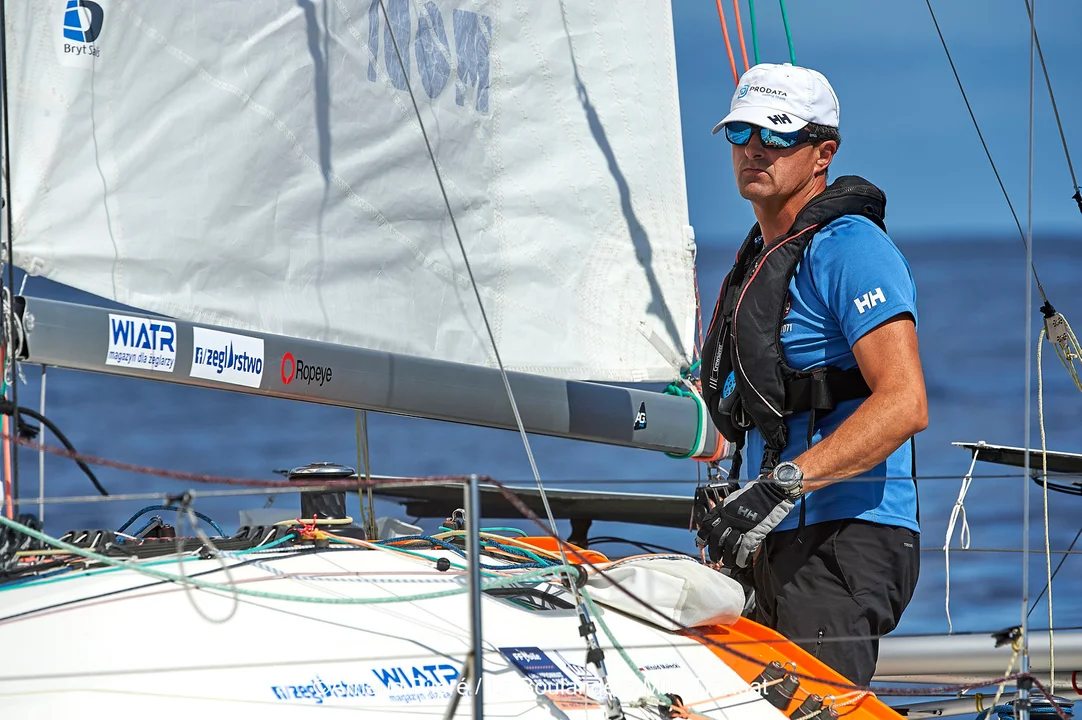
pixel 739 133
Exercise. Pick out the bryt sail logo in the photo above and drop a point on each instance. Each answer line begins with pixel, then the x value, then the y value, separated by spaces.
pixel 83 20
pixel 79 26
pixel 226 357
pixel 137 342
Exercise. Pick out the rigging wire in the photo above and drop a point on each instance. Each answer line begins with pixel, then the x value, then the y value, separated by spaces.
pixel 1023 692
pixel 988 153
pixel 368 517
pixel 1070 551
pixel 1055 109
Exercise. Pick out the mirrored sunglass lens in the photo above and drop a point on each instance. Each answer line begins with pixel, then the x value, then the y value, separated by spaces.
pixel 774 139
pixel 738 133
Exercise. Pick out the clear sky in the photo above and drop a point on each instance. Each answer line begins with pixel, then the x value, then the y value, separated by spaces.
pixel 903 121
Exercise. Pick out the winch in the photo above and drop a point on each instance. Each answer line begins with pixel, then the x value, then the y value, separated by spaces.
pixel 322 504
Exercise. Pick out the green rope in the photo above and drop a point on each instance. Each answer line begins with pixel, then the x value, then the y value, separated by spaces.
pixel 494 530
pixel 103 571
pixel 700 408
pixel 754 35
pixel 232 589
pixel 788 34
pixel 269 545
pixel 422 556
pixel 85 573
pixel 620 648
pixel 676 388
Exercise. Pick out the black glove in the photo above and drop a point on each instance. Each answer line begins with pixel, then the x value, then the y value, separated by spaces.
pixel 733 531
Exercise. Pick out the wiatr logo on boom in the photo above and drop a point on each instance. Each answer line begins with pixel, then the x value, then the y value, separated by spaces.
pixel 226 357
pixel 137 342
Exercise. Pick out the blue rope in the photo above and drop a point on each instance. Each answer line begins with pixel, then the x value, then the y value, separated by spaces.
pixel 520 552
pixel 148 523
pixel 1006 712
pixel 148 508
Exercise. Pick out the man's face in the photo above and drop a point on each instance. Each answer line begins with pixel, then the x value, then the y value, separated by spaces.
pixel 764 174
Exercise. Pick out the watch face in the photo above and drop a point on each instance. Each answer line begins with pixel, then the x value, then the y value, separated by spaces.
pixel 787 472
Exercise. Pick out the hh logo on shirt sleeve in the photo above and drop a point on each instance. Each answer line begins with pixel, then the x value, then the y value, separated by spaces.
pixel 870 300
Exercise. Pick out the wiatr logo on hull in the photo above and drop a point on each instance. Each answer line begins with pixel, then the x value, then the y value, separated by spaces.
pixel 227 357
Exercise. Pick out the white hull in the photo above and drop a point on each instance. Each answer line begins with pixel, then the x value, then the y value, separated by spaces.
pixel 94 646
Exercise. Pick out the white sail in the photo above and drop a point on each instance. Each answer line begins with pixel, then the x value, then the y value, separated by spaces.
pixel 261 166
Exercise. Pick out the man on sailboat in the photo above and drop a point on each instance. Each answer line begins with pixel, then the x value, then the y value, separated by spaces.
pixel 811 366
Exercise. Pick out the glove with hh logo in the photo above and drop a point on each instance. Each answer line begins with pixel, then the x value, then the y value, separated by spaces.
pixel 733 531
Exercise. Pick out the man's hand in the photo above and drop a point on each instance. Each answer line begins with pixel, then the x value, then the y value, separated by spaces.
pixel 733 531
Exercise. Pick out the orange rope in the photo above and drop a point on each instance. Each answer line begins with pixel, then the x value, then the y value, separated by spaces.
pixel 740 33
pixel 728 46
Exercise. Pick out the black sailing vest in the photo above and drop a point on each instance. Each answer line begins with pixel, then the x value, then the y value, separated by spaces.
pixel 746 381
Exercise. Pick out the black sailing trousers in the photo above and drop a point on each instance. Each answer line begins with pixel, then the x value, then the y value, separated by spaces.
pixel 835 588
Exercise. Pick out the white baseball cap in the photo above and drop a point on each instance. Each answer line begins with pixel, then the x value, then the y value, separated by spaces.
pixel 782 97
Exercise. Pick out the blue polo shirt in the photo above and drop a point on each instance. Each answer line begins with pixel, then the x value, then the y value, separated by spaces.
pixel 851 279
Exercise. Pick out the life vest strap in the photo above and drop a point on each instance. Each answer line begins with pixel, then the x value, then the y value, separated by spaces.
pixel 822 390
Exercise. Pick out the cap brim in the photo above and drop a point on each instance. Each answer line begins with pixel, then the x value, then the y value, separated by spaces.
pixel 763 117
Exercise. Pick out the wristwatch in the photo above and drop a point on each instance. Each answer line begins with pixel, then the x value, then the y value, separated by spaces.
pixel 790 478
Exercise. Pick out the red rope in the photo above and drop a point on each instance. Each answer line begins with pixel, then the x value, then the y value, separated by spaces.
pixel 728 45
pixel 244 482
pixel 740 33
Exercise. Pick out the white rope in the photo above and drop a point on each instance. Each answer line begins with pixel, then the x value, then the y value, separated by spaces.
pixel 959 510
pixel 11 368
pixel 1047 544
pixel 1016 646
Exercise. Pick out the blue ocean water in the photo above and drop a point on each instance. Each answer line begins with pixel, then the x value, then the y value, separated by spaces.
pixel 971 295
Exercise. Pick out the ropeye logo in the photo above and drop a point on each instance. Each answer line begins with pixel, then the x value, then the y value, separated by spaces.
pixel 295 369
pixel 137 342
pixel 79 26
pixel 227 357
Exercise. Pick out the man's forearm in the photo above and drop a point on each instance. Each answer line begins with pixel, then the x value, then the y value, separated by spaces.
pixel 866 438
